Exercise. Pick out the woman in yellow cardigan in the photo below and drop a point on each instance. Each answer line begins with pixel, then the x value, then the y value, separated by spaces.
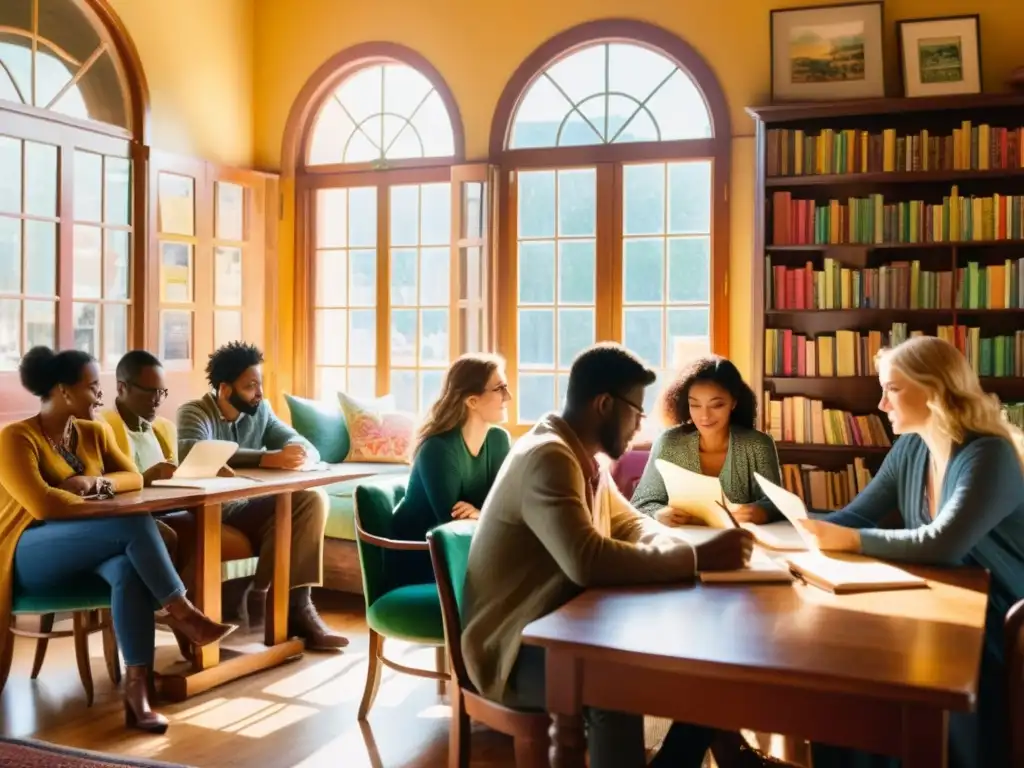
pixel 55 462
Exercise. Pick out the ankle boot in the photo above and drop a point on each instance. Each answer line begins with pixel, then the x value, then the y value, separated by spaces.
pixel 193 625
pixel 137 713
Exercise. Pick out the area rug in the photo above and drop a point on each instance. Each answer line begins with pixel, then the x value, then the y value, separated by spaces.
pixel 28 753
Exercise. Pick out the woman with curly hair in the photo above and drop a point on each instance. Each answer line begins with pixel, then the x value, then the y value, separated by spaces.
pixel 713 412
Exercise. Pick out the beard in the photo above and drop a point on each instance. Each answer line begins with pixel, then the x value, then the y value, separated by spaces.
pixel 243 406
pixel 610 438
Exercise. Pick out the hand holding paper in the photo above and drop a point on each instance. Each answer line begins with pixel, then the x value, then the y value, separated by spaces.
pixel 790 505
pixel 696 494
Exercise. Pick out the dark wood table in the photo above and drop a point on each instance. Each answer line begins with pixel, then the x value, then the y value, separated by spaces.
pixel 876 671
pixel 209 668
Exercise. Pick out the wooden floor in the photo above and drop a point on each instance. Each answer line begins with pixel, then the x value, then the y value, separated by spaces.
pixel 300 715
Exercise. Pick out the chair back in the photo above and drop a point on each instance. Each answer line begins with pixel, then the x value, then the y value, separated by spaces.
pixel 449 552
pixel 1015 682
pixel 373 509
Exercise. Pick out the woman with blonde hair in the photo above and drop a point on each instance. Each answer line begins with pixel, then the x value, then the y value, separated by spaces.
pixel 459 451
pixel 956 474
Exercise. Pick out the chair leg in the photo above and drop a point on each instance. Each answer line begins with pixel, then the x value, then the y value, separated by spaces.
pixel 441 665
pixel 110 652
pixel 45 625
pixel 373 665
pixel 458 733
pixel 81 630
pixel 531 753
pixel 6 649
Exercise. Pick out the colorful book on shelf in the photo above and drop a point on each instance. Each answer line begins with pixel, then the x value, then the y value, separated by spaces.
pixel 800 419
pixel 826 489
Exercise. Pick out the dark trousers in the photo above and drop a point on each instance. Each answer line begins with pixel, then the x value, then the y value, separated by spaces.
pixel 614 739
pixel 126 552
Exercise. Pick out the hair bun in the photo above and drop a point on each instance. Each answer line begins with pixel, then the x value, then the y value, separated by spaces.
pixel 37 370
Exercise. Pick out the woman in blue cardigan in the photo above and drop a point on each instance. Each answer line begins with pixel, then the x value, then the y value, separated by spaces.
pixel 956 477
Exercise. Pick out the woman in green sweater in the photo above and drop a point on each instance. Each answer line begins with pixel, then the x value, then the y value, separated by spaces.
pixel 458 454
pixel 714 412
pixel 957 477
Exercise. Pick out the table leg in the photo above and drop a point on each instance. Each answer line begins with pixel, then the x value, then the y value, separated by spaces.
pixel 276 629
pixel 208 582
pixel 563 681
pixel 925 733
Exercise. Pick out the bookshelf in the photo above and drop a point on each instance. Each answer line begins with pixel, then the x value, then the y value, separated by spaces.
pixel 875 220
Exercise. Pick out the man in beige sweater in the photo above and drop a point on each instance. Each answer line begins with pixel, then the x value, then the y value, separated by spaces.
pixel 554 524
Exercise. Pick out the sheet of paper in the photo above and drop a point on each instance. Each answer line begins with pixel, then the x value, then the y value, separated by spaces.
pixel 789 504
pixel 205 459
pixel 761 568
pixel 210 484
pixel 699 495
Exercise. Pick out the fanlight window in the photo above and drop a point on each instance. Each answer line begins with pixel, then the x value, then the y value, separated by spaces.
pixel 52 57
pixel 610 93
pixel 382 112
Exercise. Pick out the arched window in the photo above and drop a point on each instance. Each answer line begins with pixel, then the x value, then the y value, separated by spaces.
pixel 615 139
pixel 390 272
pixel 69 112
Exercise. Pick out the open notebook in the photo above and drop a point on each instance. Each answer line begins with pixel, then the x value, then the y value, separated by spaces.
pixel 199 469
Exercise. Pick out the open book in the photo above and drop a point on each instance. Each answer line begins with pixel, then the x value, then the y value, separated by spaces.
pixel 761 568
pixel 199 469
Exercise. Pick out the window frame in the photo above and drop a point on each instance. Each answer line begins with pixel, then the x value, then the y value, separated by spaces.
pixel 612 158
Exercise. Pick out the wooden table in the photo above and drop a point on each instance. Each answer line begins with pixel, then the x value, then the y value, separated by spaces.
pixel 873 671
pixel 208 668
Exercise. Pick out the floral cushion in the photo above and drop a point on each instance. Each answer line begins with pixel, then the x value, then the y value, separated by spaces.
pixel 378 431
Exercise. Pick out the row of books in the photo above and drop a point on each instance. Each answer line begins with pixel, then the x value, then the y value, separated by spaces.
pixel 824 489
pixel 844 353
pixel 872 221
pixel 800 419
pixel 997 286
pixel 995 356
pixel 898 285
pixel 969 147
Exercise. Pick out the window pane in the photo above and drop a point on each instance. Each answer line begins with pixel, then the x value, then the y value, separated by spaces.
pixel 230 211
pixel 689 269
pixel 430 388
pixel 576 272
pixel 331 218
pixel 689 197
pixel 537 337
pixel 362 382
pixel 581 74
pixel 436 215
pixel 577 203
pixel 41 258
pixel 40 179
pixel 644 207
pixel 88 186
pixel 471 273
pixel 10 334
pixel 435 281
pixel 535 396
pixel 472 209
pixel 642 334
pixel 115 333
pixel 651 404
pixel 563 389
pixel 537 272
pixel 10 175
pixel 403 337
pixel 176 335
pixel 684 347
pixel 10 255
pixel 635 70
pixel 679 110
pixel 227 326
pixel 536 204
pixel 362 278
pixel 539 115
pixel 176 204
pixel 688 322
pixel 227 281
pixel 405 215
pixel 329 382
pixel 116 264
pixel 403 277
pixel 175 273
pixel 362 336
pixel 118 176
pixel 434 336
pixel 575 333
pixel 643 268
pixel 40 324
pixel 330 336
pixel 331 278
pixel 403 387
pixel 362 217
pixel 87 328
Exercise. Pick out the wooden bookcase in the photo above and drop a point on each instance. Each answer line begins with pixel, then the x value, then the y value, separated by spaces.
pixel 930 179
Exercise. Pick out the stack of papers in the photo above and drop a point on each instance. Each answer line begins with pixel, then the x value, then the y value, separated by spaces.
pixel 201 467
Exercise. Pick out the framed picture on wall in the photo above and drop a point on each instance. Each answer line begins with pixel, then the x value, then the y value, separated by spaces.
pixel 827 53
pixel 941 56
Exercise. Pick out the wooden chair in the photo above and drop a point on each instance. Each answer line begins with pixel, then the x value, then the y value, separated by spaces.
pixel 1015 682
pixel 411 613
pixel 449 551
pixel 89 605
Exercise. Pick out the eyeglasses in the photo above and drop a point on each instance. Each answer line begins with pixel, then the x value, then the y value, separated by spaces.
pixel 638 408
pixel 160 394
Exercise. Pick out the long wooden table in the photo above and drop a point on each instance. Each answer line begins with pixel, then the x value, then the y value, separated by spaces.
pixel 876 671
pixel 208 668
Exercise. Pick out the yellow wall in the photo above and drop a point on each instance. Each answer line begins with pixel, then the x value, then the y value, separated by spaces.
pixel 477 45
pixel 197 56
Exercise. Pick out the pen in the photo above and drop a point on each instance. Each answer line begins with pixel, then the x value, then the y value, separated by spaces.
pixel 727 512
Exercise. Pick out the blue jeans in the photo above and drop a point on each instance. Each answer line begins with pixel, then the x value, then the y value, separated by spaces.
pixel 126 552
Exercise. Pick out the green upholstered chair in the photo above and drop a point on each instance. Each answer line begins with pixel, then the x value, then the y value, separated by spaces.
pixel 449 551
pixel 89 605
pixel 411 613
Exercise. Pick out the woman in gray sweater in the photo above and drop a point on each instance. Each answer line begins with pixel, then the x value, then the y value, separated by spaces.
pixel 715 413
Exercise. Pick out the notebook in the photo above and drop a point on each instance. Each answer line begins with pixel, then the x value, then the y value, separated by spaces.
pixel 842 576
pixel 200 467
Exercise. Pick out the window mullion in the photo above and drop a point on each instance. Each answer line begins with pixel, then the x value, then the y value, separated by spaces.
pixel 608 304
pixel 383 289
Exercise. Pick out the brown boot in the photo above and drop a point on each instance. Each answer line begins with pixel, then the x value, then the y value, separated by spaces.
pixel 305 622
pixel 193 625
pixel 137 713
